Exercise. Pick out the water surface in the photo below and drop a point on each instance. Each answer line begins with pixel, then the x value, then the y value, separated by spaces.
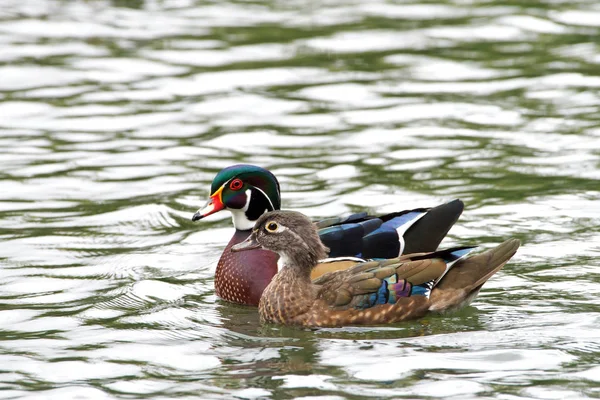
pixel 115 116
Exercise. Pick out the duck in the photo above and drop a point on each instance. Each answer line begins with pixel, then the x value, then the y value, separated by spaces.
pixel 369 292
pixel 249 191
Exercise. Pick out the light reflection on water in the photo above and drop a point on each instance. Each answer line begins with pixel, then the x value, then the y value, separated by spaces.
pixel 115 116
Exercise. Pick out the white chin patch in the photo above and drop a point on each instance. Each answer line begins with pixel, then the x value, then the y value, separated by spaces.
pixel 282 262
pixel 240 221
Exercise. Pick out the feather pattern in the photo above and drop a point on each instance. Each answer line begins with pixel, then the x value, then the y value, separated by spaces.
pixel 378 282
pixel 389 235
pixel 362 235
pixel 368 292
pixel 359 234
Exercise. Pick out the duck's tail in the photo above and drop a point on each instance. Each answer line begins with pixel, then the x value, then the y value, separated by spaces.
pixel 427 233
pixel 388 236
pixel 462 283
pixel 411 231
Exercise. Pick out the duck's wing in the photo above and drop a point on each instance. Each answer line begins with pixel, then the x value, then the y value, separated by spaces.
pixel 334 264
pixel 367 284
pixel 390 235
pixel 462 283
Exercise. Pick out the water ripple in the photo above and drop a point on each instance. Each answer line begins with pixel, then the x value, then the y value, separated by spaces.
pixel 116 115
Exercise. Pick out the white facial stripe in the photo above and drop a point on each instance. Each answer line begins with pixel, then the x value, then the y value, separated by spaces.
pixel 300 240
pixel 270 202
pixel 248 195
pixel 281 228
pixel 221 187
pixel 240 221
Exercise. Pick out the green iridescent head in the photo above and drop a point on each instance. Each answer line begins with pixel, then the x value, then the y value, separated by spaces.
pixel 247 191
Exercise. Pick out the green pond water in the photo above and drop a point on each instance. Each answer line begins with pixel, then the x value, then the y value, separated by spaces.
pixel 116 115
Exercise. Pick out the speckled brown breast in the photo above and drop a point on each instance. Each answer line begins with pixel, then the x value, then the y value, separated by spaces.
pixel 242 277
pixel 287 299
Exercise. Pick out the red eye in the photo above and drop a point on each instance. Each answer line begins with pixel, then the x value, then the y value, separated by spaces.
pixel 236 184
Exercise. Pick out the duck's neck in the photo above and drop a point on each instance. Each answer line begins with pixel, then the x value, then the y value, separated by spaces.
pixel 241 221
pixel 296 268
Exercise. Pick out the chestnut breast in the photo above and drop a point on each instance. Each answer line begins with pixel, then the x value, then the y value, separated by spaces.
pixel 241 277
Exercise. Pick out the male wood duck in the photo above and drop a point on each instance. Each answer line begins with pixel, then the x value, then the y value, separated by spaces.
pixel 369 292
pixel 249 191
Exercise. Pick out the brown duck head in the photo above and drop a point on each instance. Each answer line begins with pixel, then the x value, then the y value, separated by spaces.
pixel 291 235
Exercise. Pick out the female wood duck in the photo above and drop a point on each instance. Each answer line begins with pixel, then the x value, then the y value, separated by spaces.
pixel 370 292
pixel 248 191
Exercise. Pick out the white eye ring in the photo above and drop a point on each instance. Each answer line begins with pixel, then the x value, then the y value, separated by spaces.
pixel 272 227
